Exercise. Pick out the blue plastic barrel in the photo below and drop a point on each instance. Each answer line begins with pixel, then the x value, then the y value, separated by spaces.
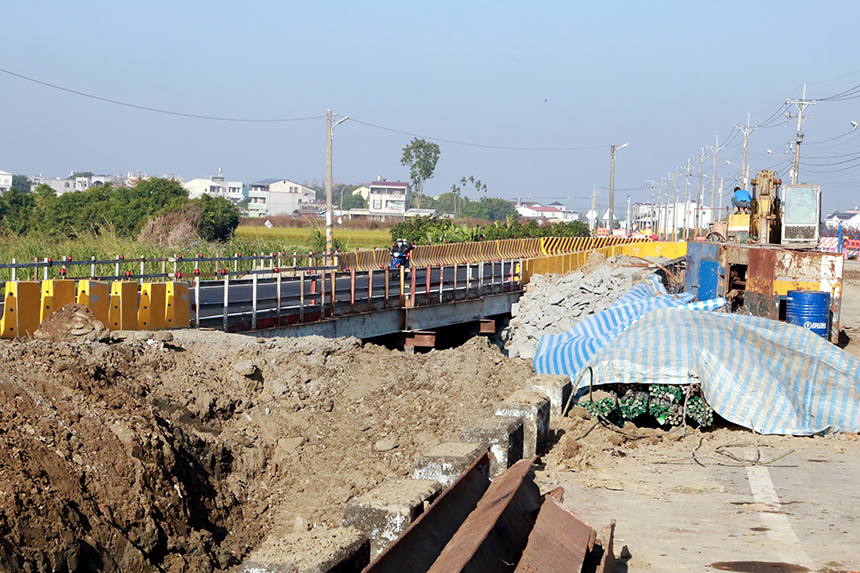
pixel 809 309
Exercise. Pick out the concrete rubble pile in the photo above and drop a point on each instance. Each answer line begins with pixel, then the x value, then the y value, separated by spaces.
pixel 554 304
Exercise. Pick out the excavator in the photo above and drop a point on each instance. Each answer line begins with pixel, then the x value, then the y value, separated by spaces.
pixel 790 221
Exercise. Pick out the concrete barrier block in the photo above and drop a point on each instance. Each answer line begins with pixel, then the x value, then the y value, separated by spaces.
pixel 56 293
pixel 123 306
pixel 178 309
pixel 502 435
pixel 446 462
pixel 556 387
pixel 386 511
pixel 95 295
pixel 533 408
pixel 151 314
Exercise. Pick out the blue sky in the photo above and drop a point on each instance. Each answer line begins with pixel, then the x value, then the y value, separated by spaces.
pixel 665 77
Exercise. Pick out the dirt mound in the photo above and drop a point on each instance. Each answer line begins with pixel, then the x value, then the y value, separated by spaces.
pixel 72 322
pixel 184 456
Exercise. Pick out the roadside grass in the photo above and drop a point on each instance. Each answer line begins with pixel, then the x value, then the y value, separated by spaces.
pixel 351 238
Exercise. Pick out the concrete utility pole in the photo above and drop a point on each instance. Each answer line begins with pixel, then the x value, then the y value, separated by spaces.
pixel 651 184
pixel 612 150
pixel 675 209
pixel 745 176
pixel 801 104
pixel 627 223
pixel 666 218
pixel 716 149
pixel 662 202
pixel 329 248
pixel 687 203
pixel 699 196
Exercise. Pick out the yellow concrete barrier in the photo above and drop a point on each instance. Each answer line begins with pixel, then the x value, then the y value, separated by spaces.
pixel 151 312
pixel 123 306
pixel 21 309
pixel 178 309
pixel 668 249
pixel 95 295
pixel 56 293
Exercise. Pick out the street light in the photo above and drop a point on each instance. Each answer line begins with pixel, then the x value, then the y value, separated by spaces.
pixel 328 209
pixel 613 149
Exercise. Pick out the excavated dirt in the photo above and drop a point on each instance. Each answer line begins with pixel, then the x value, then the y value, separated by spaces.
pixel 184 454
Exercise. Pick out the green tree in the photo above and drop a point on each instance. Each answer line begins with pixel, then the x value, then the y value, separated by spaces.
pixel 81 174
pixel 16 209
pixel 22 182
pixel 353 202
pixel 421 156
pixel 219 218
pixel 129 207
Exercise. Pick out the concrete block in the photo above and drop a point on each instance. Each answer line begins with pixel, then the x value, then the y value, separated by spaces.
pixel 386 511
pixel 446 462
pixel 533 408
pixel 503 435
pixel 556 387
pixel 320 550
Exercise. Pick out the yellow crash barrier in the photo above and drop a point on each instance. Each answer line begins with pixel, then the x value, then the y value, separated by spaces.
pixel 95 295
pixel 178 310
pixel 123 306
pixel 153 300
pixel 56 294
pixel 21 309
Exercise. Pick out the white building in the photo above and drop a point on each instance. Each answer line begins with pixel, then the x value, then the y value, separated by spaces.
pixel 388 199
pixel 271 197
pixel 216 187
pixel 6 182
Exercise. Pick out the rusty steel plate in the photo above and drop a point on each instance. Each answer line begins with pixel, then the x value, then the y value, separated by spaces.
pixel 559 541
pixel 494 535
pixel 418 547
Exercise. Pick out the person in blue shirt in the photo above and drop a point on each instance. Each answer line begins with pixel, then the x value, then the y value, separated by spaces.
pixel 741 199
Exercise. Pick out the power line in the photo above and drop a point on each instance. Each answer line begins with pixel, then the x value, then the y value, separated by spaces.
pixel 156 110
pixel 483 146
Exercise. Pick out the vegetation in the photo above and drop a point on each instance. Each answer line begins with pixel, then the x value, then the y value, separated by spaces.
pixel 421 156
pixel 428 230
pixel 122 211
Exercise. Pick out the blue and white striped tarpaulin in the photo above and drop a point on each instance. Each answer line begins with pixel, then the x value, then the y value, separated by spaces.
pixel 569 352
pixel 773 377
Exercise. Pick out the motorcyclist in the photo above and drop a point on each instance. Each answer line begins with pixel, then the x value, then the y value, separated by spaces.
pixel 400 254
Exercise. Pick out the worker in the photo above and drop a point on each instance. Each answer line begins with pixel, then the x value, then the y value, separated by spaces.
pixel 741 199
pixel 400 254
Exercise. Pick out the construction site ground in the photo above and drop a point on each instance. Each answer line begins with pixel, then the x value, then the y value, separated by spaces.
pixel 191 451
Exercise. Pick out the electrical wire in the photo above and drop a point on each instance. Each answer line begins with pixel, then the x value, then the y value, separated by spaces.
pixel 157 110
pixel 483 146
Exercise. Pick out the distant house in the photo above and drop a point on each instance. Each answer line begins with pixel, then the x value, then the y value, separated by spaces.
pixel 216 187
pixel 363 191
pixel 6 182
pixel 271 197
pixel 833 219
pixel 388 199
pixel 61 186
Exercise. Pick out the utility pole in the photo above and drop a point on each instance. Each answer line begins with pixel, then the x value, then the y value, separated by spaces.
pixel 627 223
pixel 699 196
pixel 328 213
pixel 612 149
pixel 675 209
pixel 687 203
pixel 716 149
pixel 653 186
pixel 801 105
pixel 329 248
pixel 666 217
pixel 662 179
pixel 745 177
